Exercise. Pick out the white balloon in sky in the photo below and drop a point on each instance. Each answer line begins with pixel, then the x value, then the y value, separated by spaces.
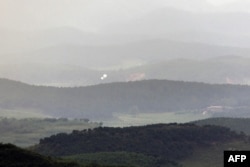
pixel 104 76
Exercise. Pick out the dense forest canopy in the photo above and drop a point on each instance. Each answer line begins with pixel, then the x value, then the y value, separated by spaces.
pixel 161 140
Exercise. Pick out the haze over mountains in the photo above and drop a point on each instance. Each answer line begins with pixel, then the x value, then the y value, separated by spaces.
pixel 84 43
pixel 138 102
pixel 78 44
pixel 76 64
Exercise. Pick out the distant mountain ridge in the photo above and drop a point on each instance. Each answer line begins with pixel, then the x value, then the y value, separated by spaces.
pixel 160 33
pixel 115 55
pixel 230 69
pixel 100 102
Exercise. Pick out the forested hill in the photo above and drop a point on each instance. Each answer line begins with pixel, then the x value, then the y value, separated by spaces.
pixel 168 142
pixel 101 101
pixel 236 124
pixel 12 156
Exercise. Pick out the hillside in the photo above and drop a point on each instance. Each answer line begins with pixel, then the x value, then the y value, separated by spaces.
pixel 167 143
pixel 229 69
pixel 237 124
pixel 103 101
pixel 13 156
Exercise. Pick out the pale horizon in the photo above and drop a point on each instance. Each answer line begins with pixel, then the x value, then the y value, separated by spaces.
pixel 94 15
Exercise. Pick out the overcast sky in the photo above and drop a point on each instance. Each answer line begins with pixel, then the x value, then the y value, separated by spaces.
pixel 220 2
pixel 91 15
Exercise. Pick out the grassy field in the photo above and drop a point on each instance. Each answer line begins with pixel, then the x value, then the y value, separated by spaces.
pixel 137 119
pixel 28 131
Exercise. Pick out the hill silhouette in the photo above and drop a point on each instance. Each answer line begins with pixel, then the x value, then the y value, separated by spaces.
pixel 13 156
pixel 237 124
pixel 165 142
pixel 102 101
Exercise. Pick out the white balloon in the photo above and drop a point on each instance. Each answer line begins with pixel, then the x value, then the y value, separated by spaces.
pixel 104 76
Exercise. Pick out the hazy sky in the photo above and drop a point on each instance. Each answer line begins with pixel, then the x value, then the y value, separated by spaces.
pixel 221 2
pixel 91 15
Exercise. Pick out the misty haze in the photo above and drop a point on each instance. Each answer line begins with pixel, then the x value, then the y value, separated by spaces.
pixel 94 81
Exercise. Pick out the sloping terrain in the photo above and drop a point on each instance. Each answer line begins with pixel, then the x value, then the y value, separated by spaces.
pixel 237 124
pixel 100 102
pixel 229 69
pixel 167 143
pixel 13 156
